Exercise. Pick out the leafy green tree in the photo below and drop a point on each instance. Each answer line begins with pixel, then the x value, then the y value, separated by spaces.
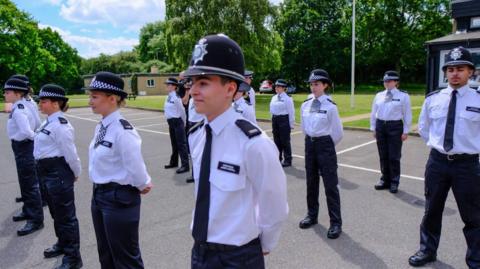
pixel 152 43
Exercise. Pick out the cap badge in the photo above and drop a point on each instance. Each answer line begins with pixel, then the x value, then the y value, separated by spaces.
pixel 200 51
pixel 456 54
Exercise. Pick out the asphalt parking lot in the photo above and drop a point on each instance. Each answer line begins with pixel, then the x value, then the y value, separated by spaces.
pixel 381 230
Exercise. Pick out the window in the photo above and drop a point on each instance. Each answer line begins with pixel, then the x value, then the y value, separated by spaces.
pixel 474 80
pixel 150 83
pixel 475 22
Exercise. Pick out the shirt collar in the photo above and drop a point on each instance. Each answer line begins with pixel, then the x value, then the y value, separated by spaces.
pixel 460 91
pixel 54 116
pixel 321 98
pixel 111 118
pixel 240 101
pixel 219 123
pixel 392 90
pixel 282 94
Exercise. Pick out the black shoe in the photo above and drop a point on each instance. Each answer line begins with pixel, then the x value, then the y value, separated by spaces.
pixel 168 166
pixel 18 199
pixel 20 216
pixel 286 164
pixel 307 222
pixel 70 264
pixel 393 188
pixel 29 228
pixel 381 185
pixel 189 180
pixel 334 231
pixel 54 251
pixel 421 258
pixel 182 169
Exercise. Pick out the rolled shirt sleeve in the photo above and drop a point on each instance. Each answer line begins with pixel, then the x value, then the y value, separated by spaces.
pixel 132 159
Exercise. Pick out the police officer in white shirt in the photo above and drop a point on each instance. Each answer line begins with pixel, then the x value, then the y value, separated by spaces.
pixel 20 130
pixel 450 125
pixel 323 130
pixel 390 122
pixel 251 92
pixel 283 120
pixel 241 106
pixel 176 118
pixel 119 176
pixel 193 119
pixel 241 199
pixel 58 167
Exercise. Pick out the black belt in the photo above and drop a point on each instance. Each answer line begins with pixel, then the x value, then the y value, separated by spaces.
pixel 454 157
pixel 223 247
pixel 318 138
pixel 280 116
pixel 50 161
pixel 390 121
pixel 111 186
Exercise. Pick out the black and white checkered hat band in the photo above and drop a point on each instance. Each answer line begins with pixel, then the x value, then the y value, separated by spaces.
pixel 316 78
pixel 102 85
pixel 390 78
pixel 7 86
pixel 50 94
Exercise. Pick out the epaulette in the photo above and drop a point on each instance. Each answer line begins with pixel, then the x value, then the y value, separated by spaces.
pixel 126 125
pixel 195 127
pixel 330 100
pixel 248 128
pixel 308 99
pixel 404 91
pixel 20 106
pixel 62 120
pixel 432 93
pixel 478 91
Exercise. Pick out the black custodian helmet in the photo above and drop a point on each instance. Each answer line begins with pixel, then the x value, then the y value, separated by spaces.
pixel 458 56
pixel 217 55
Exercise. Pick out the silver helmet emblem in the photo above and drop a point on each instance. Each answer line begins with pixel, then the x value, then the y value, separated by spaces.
pixel 200 51
pixel 456 54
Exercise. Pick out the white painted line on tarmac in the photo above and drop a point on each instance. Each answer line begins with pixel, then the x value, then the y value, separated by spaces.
pixel 356 147
pixel 364 169
pixel 149 125
pixel 126 114
pixel 148 118
pixel 81 118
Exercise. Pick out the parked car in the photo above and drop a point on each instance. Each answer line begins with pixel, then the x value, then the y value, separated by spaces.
pixel 266 86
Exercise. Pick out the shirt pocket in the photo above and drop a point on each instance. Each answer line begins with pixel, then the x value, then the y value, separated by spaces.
pixel 438 112
pixel 228 175
pixel 469 123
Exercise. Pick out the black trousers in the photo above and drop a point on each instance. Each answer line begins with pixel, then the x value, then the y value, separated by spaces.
pixel 389 144
pixel 178 141
pixel 463 177
pixel 116 216
pixel 217 256
pixel 321 158
pixel 281 136
pixel 59 180
pixel 27 177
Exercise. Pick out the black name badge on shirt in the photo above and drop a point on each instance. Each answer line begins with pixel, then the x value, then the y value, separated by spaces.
pixel 228 167
pixel 473 109
pixel 106 144
pixel 45 131
pixel 322 111
pixel 397 100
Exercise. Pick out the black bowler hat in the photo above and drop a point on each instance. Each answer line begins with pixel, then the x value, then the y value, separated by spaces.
pixel 243 87
pixel 107 82
pixel 22 77
pixel 248 74
pixel 16 84
pixel 281 82
pixel 458 56
pixel 391 75
pixel 319 75
pixel 52 91
pixel 172 81
pixel 217 55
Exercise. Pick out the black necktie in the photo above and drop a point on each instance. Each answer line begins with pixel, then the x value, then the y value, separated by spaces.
pixel 202 205
pixel 101 135
pixel 449 127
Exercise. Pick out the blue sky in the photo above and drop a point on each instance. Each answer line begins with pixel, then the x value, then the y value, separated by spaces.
pixel 96 26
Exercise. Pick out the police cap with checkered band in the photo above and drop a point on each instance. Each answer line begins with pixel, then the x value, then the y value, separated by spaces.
pixel 108 82
pixel 217 55
pixel 52 91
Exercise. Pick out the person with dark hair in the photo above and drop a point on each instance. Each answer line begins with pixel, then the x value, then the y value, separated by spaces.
pixel 241 196
pixel 450 125
pixel 283 120
pixel 390 122
pixel 176 118
pixel 20 129
pixel 58 167
pixel 241 106
pixel 119 176
pixel 323 130
pixel 248 75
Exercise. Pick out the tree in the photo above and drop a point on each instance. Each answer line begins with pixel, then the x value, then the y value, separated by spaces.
pixel 245 21
pixel 152 42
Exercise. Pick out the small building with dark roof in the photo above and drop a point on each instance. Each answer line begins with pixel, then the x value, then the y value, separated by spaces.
pixel 466 33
